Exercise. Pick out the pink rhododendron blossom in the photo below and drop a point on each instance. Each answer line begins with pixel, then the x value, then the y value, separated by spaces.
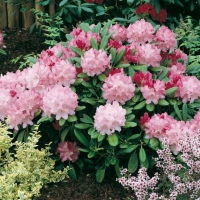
pixel 143 119
pixel 118 87
pixel 120 32
pixel 153 94
pixel 114 43
pixel 82 39
pixel 60 101
pixel 189 90
pixel 95 62
pixel 4 102
pixel 180 55
pixel 143 78
pixel 68 151
pixel 64 73
pixel 177 68
pixel 109 118
pixel 165 38
pixel 149 55
pixel 63 51
pixel 1 40
pixel 48 58
pixel 22 108
pixel 140 32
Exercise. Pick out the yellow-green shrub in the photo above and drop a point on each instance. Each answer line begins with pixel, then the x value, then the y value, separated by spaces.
pixel 27 169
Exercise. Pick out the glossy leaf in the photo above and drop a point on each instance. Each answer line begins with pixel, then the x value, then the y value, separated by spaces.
pixel 133 162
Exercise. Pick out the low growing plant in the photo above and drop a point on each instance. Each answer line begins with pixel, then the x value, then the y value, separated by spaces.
pixel 177 177
pixel 25 168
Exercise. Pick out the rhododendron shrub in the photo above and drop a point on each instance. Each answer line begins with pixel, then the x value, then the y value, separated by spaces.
pixel 106 98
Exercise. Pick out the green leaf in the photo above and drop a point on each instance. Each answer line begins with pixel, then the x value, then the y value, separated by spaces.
pixel 120 19
pixel 91 154
pixel 136 98
pixel 150 107
pixel 178 112
pixel 82 126
pixel 130 2
pixel 87 84
pixel 102 77
pixel 62 121
pixel 145 163
pixel 163 74
pixel 185 112
pixel 122 65
pixel 139 67
pixel 82 75
pixel 68 37
pixel 21 136
pixel 76 50
pixel 43 119
pixel 133 162
pixel 113 54
pixel 85 27
pixel 100 173
pixel 32 60
pixel 97 28
pixel 72 118
pixel 88 119
pixel 113 139
pixel 140 105
pixel 64 133
pixel 62 3
pixel 101 137
pixel 2 51
pixel 119 56
pixel 154 143
pixel 81 137
pixel 130 124
pixel 163 102
pixel 87 9
pixel 132 137
pixel 130 118
pixel 79 108
pixel 142 155
pixel 93 43
pixel 84 150
pixel 104 42
pixel 130 148
pixel 117 170
pixel 72 172
pixel 171 91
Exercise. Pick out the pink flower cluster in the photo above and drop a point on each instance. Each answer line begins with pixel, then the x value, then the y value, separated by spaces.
pixel 62 108
pixel 165 126
pixel 118 87
pixel 68 151
pixel 1 40
pixel 109 118
pixel 95 62
pixel 151 90
pixel 40 87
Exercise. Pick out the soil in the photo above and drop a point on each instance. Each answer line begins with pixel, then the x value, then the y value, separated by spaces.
pixel 21 43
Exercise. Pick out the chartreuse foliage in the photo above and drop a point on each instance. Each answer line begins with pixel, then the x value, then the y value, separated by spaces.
pixel 24 168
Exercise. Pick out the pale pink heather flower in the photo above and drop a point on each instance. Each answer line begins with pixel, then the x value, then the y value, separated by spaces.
pixel 118 87
pixel 109 118
pixel 64 73
pixel 140 32
pixel 68 151
pixel 60 101
pixel 95 62
pixel 120 32
pixel 189 90
pixel 154 93
pixel 165 38
pixel 149 55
